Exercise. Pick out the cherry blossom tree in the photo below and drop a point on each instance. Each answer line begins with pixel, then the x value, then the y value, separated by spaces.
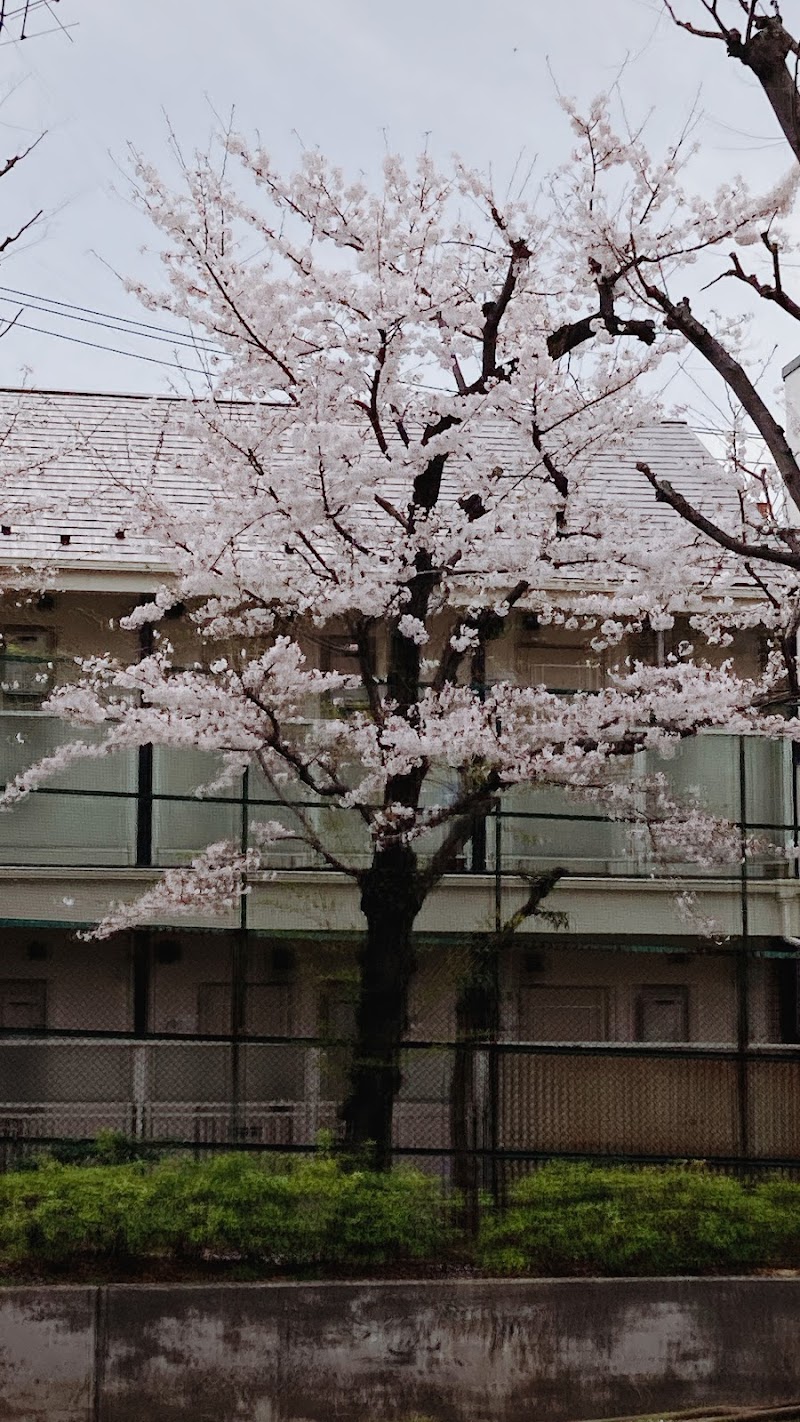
pixel 391 456
pixel 691 275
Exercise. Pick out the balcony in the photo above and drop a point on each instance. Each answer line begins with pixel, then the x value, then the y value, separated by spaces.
pixel 139 809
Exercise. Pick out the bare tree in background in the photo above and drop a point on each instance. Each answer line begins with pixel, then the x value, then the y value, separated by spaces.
pixel 17 23
pixel 22 21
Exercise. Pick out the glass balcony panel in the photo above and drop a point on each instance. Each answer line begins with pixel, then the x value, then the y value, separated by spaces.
pixel 707 770
pixel 68 828
pixel 578 836
pixel 342 832
pixel 440 788
pixel 293 851
pixel 345 835
pixel 183 828
pixel 768 803
pixel 28 737
pixel 703 770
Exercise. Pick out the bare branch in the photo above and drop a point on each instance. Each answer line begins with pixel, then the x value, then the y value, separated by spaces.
pixel 763 552
pixel 18 157
pixel 775 292
pixel 15 236
pixel 764 50
pixel 679 317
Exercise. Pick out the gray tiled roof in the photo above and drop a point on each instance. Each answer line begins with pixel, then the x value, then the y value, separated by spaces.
pixel 71 462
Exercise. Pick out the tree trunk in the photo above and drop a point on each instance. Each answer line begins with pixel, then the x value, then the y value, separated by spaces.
pixel 386 962
pixel 478 1026
pixel 769 53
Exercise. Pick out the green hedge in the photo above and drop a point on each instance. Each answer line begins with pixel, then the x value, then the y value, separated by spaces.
pixel 568 1219
pixel 311 1213
pixel 272 1212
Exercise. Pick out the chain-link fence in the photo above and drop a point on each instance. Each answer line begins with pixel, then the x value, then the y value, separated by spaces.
pixel 642 1052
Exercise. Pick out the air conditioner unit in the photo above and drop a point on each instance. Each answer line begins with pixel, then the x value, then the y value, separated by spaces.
pixel 565 675
pixel 294 859
pixel 351 698
pixel 14 1128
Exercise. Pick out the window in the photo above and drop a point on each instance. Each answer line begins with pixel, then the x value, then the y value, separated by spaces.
pixel 26 673
pixel 558 668
pixel 662 1014
pixel 339 653
pixel 22 1004
pixel 564 1014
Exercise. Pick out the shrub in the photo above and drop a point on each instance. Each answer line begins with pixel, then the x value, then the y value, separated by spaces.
pixel 288 1215
pixel 574 1218
pixel 311 1213
pixel 58 1212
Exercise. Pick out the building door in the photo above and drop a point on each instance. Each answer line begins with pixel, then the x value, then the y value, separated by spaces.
pixel 662 1014
pixel 22 1004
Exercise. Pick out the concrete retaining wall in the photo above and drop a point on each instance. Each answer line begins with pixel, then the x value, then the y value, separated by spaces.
pixel 516 1351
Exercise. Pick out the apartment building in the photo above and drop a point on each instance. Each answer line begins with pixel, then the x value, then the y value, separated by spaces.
pixel 625 1028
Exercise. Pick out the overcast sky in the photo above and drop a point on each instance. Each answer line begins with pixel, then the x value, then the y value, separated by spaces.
pixel 347 75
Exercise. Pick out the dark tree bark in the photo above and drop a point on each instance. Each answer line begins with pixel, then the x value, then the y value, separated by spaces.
pixel 390 901
pixel 768 50
pixel 477 1025
pixel 394 887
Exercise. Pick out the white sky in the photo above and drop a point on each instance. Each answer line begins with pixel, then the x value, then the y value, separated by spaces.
pixel 347 75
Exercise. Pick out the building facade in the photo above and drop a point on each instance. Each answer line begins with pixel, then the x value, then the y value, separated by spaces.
pixel 625 1028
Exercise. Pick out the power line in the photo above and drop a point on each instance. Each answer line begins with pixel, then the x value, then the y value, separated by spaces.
pixel 147 330
pixel 123 325
pixel 92 311
pixel 40 34
pixel 98 346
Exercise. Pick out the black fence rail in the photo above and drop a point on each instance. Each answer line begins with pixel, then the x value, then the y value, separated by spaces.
pixel 476 1113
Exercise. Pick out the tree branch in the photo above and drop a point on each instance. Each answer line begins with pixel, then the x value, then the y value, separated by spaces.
pixel 486 624
pixel 679 317
pixel 774 293
pixel 309 834
pixel 666 493
pixel 764 50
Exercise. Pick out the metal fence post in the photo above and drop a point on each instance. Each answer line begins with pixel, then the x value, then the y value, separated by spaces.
pixel 742 971
pixel 495 1182
pixel 239 979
